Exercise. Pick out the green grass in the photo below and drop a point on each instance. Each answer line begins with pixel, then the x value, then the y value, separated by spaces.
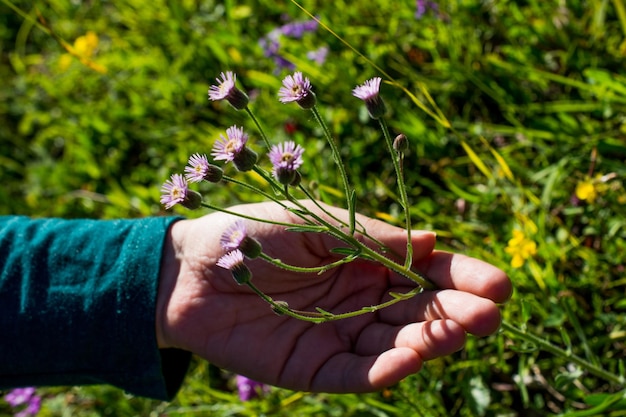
pixel 508 107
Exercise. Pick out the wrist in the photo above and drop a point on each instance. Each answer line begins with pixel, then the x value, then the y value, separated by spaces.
pixel 168 275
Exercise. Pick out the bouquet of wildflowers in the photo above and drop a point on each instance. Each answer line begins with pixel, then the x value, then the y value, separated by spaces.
pixel 280 171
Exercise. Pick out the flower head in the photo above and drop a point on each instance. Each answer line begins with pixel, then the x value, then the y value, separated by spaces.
pixel 176 191
pixel 318 55
pixel 421 6
pixel 520 248
pixel 24 396
pixel 297 88
pixel 233 261
pixel 226 90
pixel 198 169
pixel 232 148
pixel 236 237
pixel 249 388
pixel 369 93
pixel 286 158
pixel 587 190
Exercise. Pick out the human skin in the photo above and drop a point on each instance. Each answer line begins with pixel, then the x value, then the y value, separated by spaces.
pixel 200 308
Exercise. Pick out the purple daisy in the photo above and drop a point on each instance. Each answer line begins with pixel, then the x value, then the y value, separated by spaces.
pixel 369 93
pixel 236 237
pixel 198 169
pixel 176 191
pixel 233 261
pixel 297 88
pixel 226 90
pixel 233 148
pixel 286 158
pixel 227 148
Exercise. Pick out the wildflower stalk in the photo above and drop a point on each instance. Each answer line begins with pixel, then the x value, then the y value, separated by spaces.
pixel 562 353
pixel 402 189
pixel 321 316
pixel 258 125
pixel 342 170
pixel 315 269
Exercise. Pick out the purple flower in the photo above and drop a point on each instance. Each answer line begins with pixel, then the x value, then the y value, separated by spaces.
pixel 199 169
pixel 236 237
pixel 297 29
pixel 226 90
pixel 318 55
pixel 270 45
pixel 176 191
pixel 286 158
pixel 232 148
pixel 422 5
pixel 233 261
pixel 227 148
pixel 297 88
pixel 20 396
pixel 233 236
pixel 369 93
pixel 249 388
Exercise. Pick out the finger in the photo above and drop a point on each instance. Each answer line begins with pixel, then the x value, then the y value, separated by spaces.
pixel 347 372
pixel 476 315
pixel 455 271
pixel 429 339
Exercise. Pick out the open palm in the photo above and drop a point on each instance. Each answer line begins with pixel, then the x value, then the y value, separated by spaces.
pixel 203 310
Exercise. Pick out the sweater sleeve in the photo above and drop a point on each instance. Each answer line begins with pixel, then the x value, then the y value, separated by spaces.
pixel 78 303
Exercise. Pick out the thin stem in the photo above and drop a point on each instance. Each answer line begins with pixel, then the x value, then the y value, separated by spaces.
pixel 565 354
pixel 258 125
pixel 312 228
pixel 253 188
pixel 404 200
pixel 321 315
pixel 315 269
pixel 342 169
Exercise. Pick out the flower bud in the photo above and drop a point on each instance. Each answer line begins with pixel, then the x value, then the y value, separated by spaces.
pixel 279 305
pixel 241 273
pixel 245 160
pixel 250 247
pixel 192 201
pixel 401 143
pixel 238 99
pixel 213 173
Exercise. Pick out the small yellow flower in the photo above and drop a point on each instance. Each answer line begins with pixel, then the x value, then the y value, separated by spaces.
pixel 586 190
pixel 520 248
pixel 84 49
pixel 86 45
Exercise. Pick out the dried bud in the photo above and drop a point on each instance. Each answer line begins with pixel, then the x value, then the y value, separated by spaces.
pixel 401 143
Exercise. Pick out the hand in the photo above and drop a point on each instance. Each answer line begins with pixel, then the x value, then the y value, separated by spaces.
pixel 200 308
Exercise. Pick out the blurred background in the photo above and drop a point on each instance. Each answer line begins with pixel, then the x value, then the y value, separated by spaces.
pixel 514 111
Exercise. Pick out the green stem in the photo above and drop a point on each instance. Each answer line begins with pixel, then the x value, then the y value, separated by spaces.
pixel 255 189
pixel 342 169
pixel 315 269
pixel 258 125
pixel 565 354
pixel 321 315
pixel 404 200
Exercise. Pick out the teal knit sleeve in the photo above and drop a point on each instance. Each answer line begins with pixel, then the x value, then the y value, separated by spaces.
pixel 78 302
